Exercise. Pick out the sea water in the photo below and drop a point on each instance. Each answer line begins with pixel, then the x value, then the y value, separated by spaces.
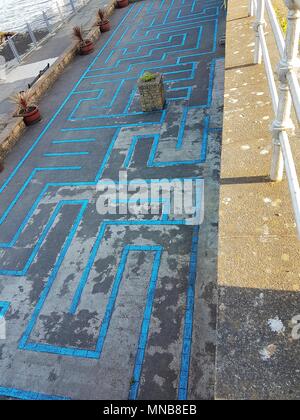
pixel 15 13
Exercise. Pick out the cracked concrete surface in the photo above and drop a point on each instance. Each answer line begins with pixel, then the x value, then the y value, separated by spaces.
pixel 116 306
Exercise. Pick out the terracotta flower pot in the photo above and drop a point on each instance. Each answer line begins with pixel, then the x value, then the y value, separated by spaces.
pixel 123 3
pixel 87 48
pixel 105 26
pixel 32 116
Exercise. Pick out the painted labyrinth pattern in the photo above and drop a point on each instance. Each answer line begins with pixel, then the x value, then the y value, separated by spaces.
pixel 101 307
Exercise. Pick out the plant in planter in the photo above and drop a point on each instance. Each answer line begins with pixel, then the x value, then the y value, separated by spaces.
pixel 103 21
pixel 26 109
pixel 122 3
pixel 86 46
pixel 152 92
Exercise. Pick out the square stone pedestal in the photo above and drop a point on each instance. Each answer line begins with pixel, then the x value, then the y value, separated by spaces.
pixel 152 94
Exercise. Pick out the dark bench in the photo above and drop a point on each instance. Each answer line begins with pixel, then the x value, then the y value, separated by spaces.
pixel 39 76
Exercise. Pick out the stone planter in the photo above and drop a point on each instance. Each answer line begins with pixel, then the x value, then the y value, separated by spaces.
pixel 152 94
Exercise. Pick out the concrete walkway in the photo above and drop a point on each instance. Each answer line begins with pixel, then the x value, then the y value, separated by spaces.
pixel 259 253
pixel 117 306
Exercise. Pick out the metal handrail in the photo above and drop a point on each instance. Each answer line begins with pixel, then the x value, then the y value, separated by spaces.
pixel 50 20
pixel 288 95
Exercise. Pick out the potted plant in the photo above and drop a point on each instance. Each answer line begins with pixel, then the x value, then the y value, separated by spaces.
pixel 103 21
pixel 152 92
pixel 26 109
pixel 122 3
pixel 86 46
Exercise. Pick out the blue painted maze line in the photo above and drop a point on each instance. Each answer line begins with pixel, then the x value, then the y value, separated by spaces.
pixel 28 396
pixel 4 307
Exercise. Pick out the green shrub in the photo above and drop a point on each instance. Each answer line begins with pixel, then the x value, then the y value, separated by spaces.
pixel 148 77
pixel 282 20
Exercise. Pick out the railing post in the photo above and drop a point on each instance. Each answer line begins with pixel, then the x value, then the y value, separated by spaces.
pixel 31 34
pixel 250 8
pixel 288 63
pixel 260 22
pixel 73 6
pixel 2 68
pixel 14 49
pixel 46 19
pixel 60 12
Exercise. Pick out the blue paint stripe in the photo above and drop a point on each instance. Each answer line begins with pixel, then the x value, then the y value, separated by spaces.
pixel 211 82
pixel 131 150
pixel 112 116
pixel 4 307
pixel 109 56
pixel 62 351
pixel 73 141
pixel 102 127
pixel 107 155
pixel 66 154
pixel 188 324
pixel 205 139
pixel 182 128
pixel 26 395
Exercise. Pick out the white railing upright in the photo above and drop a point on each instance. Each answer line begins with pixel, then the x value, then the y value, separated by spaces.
pixel 287 94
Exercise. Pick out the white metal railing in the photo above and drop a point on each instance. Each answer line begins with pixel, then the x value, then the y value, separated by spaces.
pixel 288 94
pixel 32 34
